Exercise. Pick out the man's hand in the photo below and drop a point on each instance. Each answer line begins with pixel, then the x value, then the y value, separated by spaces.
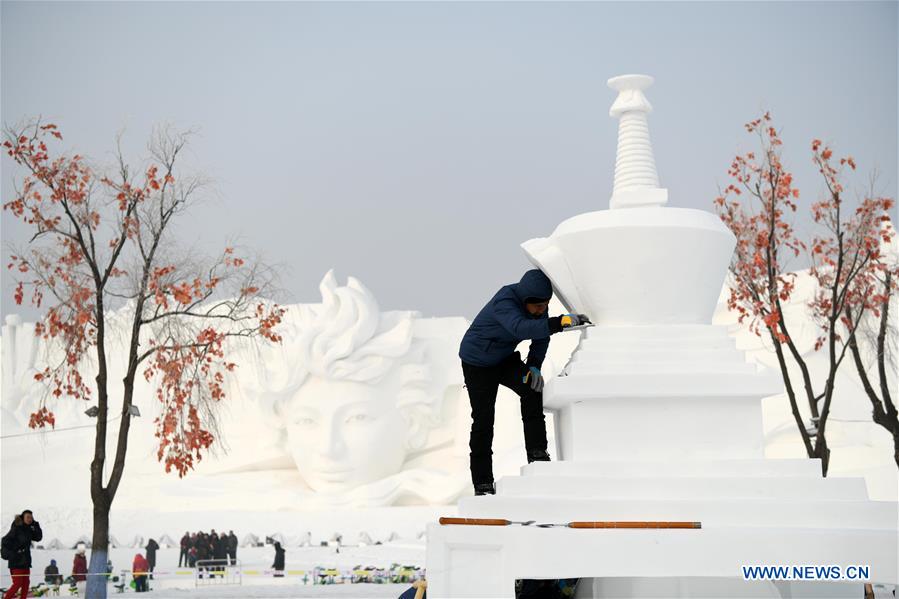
pixel 557 324
pixel 534 379
pixel 573 320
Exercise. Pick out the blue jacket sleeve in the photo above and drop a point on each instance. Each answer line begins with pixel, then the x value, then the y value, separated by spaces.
pixel 508 313
pixel 536 352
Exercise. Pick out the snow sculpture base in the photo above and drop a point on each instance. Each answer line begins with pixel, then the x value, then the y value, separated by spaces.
pixel 485 561
pixel 638 392
pixel 663 423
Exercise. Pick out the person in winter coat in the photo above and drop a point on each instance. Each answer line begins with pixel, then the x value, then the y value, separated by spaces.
pixel 202 551
pixel 79 572
pixel 185 549
pixel 140 569
pixel 232 548
pixel 221 550
pixel 16 550
pixel 51 574
pixel 151 548
pixel 516 312
pixel 278 566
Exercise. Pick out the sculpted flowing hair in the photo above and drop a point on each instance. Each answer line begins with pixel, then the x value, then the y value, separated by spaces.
pixel 348 338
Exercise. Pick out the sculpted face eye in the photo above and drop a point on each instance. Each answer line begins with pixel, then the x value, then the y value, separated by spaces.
pixel 304 421
pixel 359 417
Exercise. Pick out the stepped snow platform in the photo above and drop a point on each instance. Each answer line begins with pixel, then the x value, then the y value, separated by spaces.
pixel 658 418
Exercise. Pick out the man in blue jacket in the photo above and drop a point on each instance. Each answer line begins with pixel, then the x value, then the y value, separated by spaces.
pixel 517 312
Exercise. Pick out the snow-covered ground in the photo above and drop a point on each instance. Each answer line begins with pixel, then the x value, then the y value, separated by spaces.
pixel 171 581
pixel 404 524
pixel 286 589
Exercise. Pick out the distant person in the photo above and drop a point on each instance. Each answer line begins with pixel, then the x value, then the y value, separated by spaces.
pixel 278 566
pixel 79 571
pixel 232 548
pixel 151 548
pixel 51 574
pixel 16 550
pixel 140 569
pixel 516 312
pixel 185 550
pixel 220 552
pixel 202 548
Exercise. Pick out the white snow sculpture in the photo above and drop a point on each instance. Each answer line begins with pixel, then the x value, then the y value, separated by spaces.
pixel 20 354
pixel 83 541
pixel 659 418
pixel 54 545
pixel 349 378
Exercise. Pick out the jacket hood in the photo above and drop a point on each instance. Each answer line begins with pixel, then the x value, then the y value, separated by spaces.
pixel 533 284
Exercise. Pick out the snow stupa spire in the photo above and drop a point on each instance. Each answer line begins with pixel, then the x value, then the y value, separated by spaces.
pixel 636 179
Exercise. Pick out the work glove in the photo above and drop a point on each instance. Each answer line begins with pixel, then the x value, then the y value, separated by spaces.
pixel 573 320
pixel 534 379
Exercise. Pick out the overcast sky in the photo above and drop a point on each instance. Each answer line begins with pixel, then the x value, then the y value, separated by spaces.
pixel 416 145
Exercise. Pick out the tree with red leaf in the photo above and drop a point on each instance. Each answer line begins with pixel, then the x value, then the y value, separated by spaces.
pixel 842 259
pixel 100 241
pixel 855 279
pixel 873 347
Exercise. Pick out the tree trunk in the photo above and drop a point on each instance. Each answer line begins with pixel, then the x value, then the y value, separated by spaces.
pixel 823 451
pixel 96 578
pixel 896 447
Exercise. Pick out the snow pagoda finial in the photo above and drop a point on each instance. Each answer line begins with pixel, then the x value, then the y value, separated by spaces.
pixel 636 179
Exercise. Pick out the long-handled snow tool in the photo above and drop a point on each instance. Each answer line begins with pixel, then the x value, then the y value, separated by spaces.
pixel 625 525
pixel 483 521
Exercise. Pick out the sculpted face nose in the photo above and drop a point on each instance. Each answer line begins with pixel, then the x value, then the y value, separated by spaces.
pixel 332 445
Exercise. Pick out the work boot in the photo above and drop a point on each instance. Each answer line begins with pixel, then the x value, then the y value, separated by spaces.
pixel 538 455
pixel 484 489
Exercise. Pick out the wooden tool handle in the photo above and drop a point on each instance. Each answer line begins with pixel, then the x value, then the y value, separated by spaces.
pixel 635 524
pixel 475 521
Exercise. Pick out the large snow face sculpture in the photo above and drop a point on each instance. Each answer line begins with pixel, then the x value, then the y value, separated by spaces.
pixel 356 392
pixel 341 434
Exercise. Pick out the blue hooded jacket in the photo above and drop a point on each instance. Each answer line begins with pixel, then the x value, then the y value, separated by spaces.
pixel 504 323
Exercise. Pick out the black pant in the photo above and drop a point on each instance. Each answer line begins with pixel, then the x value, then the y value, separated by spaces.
pixel 482 384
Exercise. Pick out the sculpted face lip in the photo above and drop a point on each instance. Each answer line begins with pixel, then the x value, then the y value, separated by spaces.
pixel 333 475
